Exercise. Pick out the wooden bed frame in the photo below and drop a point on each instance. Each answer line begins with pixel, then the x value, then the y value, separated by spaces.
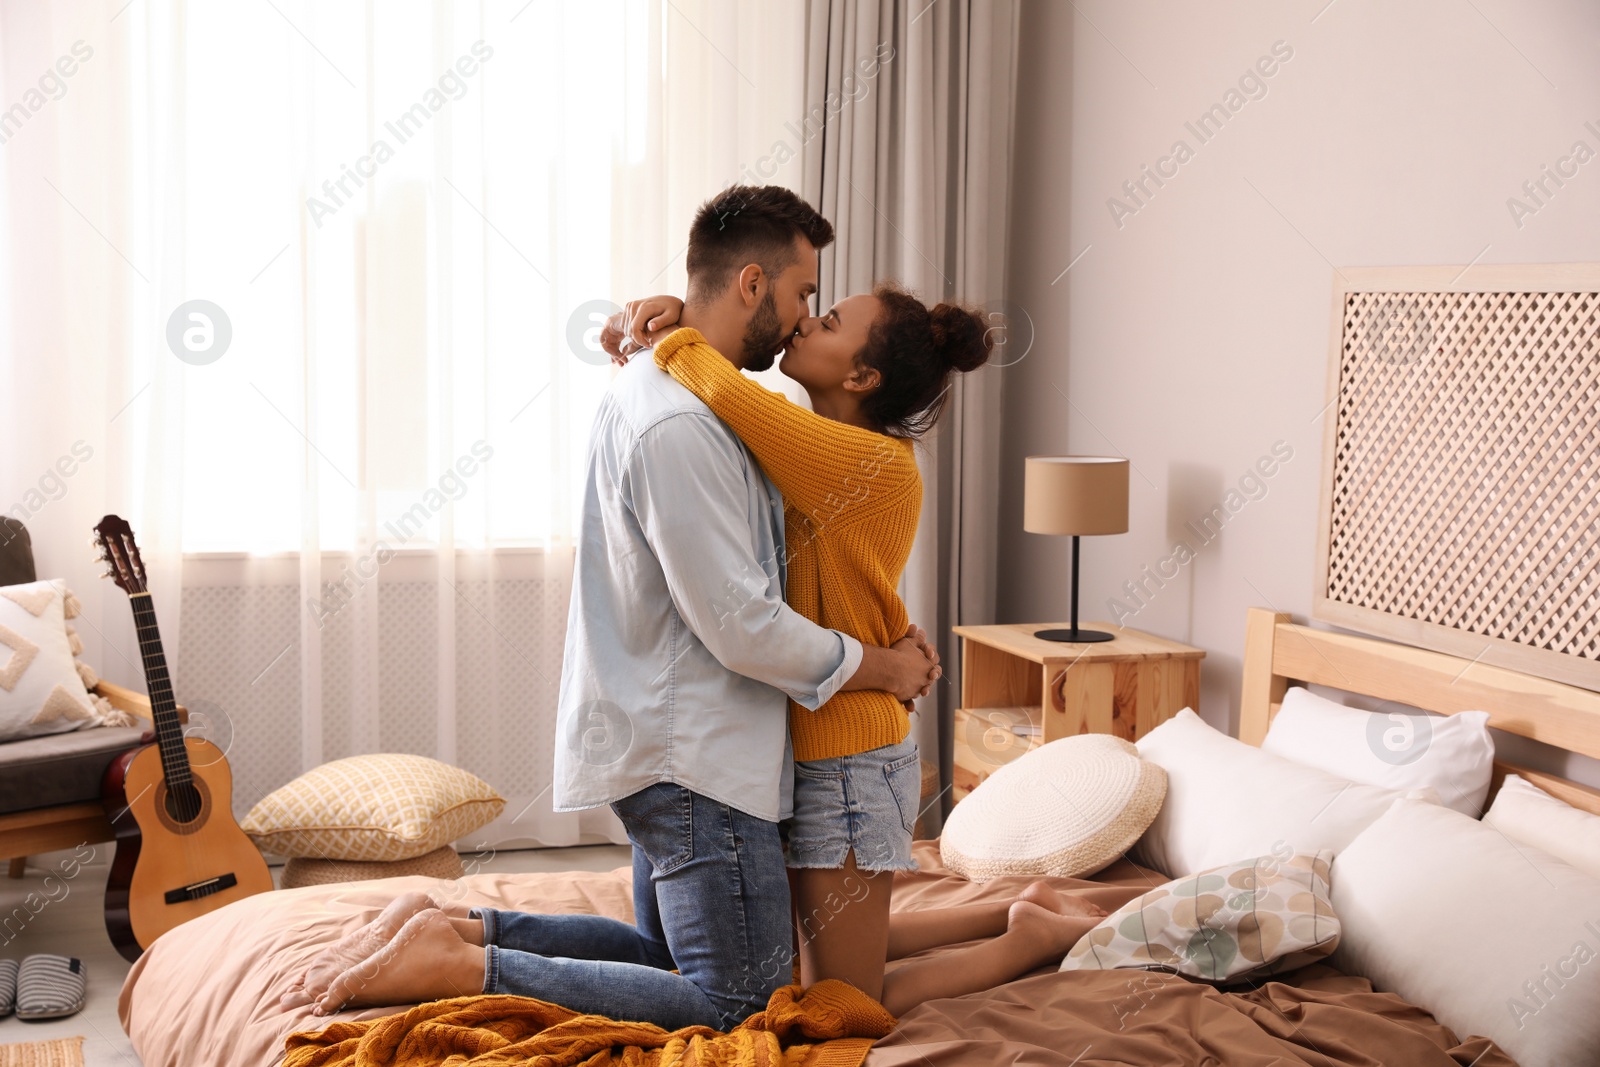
pixel 1278 652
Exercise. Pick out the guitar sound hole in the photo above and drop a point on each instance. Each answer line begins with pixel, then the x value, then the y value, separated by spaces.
pixel 183 803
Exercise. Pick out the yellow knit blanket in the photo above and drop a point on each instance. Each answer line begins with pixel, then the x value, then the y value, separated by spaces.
pixel 832 1024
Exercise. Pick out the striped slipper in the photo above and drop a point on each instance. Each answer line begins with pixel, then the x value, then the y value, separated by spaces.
pixel 8 987
pixel 49 987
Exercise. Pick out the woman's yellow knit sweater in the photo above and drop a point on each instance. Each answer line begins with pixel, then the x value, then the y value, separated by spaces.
pixel 851 499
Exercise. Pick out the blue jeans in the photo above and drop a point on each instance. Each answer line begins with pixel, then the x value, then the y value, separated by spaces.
pixel 710 897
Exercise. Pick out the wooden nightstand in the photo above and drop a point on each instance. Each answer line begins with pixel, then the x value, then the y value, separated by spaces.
pixel 1018 692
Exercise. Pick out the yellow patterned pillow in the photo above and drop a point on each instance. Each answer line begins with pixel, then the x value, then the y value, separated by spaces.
pixel 373 809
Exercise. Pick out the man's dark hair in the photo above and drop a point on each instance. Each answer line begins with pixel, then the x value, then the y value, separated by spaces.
pixel 746 224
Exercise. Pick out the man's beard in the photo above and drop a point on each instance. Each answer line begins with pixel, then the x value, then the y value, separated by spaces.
pixel 763 336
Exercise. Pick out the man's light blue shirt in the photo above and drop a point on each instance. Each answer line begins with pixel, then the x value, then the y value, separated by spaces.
pixel 680 650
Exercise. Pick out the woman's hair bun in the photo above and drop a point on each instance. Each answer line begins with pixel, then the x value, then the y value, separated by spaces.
pixel 914 348
pixel 961 339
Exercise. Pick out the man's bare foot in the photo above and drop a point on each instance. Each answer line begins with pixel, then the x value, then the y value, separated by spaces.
pixel 1049 899
pixel 353 948
pixel 427 960
pixel 1051 934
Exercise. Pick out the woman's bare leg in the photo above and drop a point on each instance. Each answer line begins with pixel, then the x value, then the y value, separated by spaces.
pixel 842 918
pixel 1034 937
pixel 913 931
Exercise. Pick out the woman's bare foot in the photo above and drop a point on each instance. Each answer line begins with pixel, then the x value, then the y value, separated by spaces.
pixel 353 948
pixel 1051 934
pixel 427 960
pixel 1049 899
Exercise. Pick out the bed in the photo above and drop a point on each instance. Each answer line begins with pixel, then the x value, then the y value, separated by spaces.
pixel 209 996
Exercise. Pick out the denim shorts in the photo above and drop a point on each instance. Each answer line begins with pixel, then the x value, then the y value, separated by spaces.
pixel 867 802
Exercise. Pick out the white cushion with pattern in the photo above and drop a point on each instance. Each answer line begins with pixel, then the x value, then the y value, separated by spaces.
pixel 41 691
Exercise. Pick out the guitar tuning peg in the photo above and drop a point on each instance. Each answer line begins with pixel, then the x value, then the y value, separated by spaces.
pixel 107 573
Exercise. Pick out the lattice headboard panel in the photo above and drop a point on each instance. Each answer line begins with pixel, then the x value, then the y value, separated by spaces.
pixel 1461 464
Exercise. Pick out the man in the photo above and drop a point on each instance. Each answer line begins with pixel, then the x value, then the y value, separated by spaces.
pixel 680 655
pixel 680 650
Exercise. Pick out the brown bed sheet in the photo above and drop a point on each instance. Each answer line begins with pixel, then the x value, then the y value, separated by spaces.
pixel 207 992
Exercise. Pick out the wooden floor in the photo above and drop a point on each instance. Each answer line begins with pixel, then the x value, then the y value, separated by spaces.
pixel 74 925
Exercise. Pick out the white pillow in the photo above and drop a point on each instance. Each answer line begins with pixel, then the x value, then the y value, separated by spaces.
pixel 1451 754
pixel 1493 939
pixel 40 690
pixel 1530 816
pixel 1227 801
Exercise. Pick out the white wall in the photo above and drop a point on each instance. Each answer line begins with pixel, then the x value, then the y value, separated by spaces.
pixel 1192 335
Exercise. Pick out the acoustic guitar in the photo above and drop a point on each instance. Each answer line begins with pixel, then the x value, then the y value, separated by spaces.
pixel 180 853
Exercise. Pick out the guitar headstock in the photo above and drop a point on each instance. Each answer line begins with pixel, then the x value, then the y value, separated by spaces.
pixel 114 538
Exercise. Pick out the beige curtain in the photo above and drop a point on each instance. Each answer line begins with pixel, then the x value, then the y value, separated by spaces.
pixel 907 151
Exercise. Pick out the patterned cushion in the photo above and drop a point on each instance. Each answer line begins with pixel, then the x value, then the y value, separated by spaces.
pixel 1067 808
pixel 1240 921
pixel 373 809
pixel 105 713
pixel 40 689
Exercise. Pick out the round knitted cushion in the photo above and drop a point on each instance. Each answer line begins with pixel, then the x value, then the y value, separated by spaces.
pixel 442 862
pixel 1067 808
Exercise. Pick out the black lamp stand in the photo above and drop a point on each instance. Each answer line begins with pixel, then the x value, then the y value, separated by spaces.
pixel 1074 635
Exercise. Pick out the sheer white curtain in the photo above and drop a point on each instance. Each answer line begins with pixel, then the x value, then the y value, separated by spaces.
pixel 315 284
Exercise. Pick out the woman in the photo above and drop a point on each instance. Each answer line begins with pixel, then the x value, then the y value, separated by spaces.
pixel 877 368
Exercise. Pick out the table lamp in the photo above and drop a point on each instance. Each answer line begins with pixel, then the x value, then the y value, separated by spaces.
pixel 1075 495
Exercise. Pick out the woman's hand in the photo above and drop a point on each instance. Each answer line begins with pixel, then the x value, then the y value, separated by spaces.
pixel 920 636
pixel 640 324
pixel 923 666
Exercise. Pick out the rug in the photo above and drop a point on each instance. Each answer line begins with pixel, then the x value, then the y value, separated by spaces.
pixel 61 1052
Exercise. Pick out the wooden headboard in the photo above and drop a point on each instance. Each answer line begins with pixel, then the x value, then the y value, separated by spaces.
pixel 1460 483
pixel 1278 652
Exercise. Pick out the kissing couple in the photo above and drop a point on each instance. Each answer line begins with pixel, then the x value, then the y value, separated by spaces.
pixel 739 668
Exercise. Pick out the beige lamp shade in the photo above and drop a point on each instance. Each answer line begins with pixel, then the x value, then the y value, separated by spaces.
pixel 1075 495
